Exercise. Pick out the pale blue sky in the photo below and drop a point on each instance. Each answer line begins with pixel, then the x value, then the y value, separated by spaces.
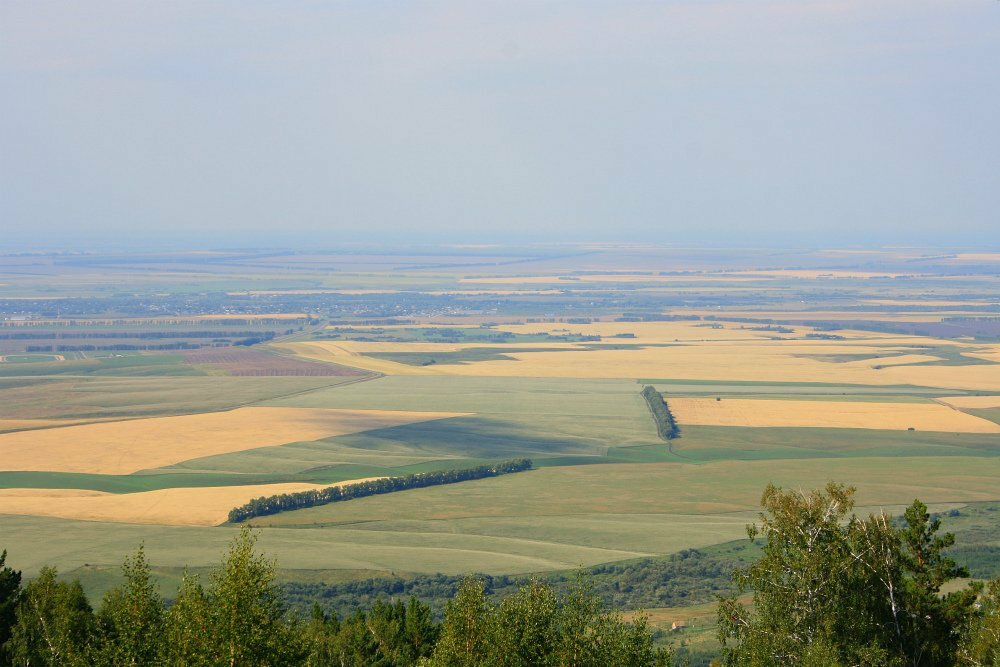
pixel 689 121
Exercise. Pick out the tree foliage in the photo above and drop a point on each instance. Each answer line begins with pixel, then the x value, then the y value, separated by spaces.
pixel 130 620
pixel 980 645
pixel 666 426
pixel 10 597
pixel 246 613
pixel 55 624
pixel 536 627
pixel 833 588
pixel 285 502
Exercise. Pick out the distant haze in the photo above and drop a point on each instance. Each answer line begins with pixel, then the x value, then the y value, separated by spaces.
pixel 687 121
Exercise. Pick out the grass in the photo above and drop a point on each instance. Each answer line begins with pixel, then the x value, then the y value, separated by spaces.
pixel 540 419
pixel 992 414
pixel 714 443
pixel 977 537
pixel 487 395
pixel 95 397
pixel 711 387
pixel 170 480
pixel 648 507
pixel 467 355
pixel 67 544
pixel 134 365
pixel 29 358
pixel 542 520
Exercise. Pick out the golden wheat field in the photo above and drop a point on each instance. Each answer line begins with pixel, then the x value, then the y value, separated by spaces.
pixel 826 414
pixel 971 402
pixel 124 447
pixel 25 424
pixel 684 350
pixel 204 506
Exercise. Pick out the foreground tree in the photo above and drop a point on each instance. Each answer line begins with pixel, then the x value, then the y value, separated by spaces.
pixel 390 635
pixel 130 620
pixel 935 620
pixel 835 589
pixel 246 613
pixel 535 627
pixel 980 647
pixel 55 624
pixel 186 638
pixel 10 597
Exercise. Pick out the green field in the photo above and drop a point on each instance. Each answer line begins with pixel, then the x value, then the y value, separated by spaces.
pixel 29 358
pixel 99 397
pixel 549 519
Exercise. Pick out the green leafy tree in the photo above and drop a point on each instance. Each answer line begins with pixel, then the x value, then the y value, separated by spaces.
pixel 55 624
pixel 10 597
pixel 980 645
pixel 835 589
pixel 187 627
pixel 466 628
pixel 535 627
pixel 798 584
pixel 130 619
pixel 246 610
pixel 525 627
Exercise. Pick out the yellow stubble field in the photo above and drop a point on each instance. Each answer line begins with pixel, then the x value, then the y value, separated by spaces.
pixel 971 402
pixel 684 350
pixel 205 506
pixel 124 447
pixel 826 414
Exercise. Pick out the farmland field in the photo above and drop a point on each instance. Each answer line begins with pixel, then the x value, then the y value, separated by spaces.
pixel 124 447
pixel 120 425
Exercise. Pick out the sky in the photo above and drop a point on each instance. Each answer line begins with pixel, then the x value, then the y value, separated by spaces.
pixel 294 123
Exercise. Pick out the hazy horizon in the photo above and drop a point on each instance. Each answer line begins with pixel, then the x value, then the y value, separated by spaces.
pixel 728 122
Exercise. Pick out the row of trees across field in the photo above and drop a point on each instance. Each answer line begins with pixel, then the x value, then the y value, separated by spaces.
pixel 830 589
pixel 285 502
pixel 666 427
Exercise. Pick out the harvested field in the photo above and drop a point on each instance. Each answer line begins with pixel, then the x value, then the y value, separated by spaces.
pixel 826 414
pixel 206 506
pixel 716 354
pixel 7 425
pixel 245 362
pixel 125 447
pixel 972 402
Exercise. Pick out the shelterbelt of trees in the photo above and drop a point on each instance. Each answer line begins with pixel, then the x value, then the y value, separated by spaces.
pixel 666 427
pixel 293 501
pixel 831 589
